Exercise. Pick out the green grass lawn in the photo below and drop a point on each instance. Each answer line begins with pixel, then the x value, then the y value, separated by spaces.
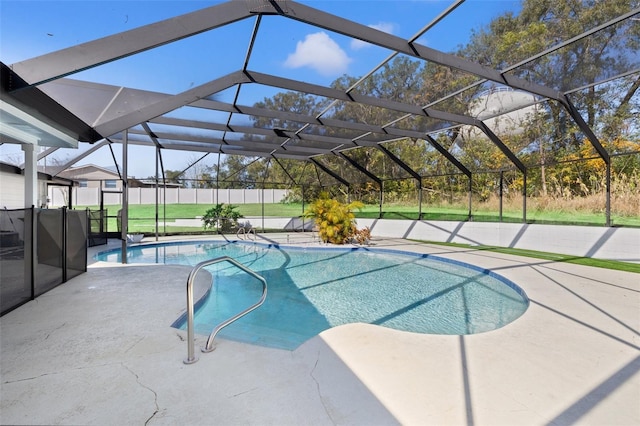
pixel 555 257
pixel 444 213
pixel 142 217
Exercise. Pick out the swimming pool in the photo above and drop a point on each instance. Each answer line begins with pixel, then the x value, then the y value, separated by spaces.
pixel 313 289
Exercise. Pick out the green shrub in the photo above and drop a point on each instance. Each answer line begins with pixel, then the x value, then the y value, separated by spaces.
pixel 224 217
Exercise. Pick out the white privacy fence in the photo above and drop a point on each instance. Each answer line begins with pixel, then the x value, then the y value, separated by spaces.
pixel 59 196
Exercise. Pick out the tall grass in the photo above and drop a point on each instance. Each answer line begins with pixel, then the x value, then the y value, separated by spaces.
pixel 590 209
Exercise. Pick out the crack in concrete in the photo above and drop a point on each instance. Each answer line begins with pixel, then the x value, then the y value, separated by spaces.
pixel 54 330
pixel 243 392
pixel 155 395
pixel 26 379
pixel 54 373
pixel 324 405
pixel 134 344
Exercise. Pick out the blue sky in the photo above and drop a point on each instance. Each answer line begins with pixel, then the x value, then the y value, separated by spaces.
pixel 284 47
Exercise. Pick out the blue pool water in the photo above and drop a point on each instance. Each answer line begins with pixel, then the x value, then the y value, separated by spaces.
pixel 313 289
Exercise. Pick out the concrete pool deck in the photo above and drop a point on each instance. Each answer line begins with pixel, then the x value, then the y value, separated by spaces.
pixel 99 349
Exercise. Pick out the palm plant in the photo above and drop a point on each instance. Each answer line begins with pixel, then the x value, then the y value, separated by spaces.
pixel 334 220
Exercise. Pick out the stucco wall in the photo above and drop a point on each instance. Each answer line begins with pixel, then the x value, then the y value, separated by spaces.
pixel 12 194
pixel 12 191
pixel 598 242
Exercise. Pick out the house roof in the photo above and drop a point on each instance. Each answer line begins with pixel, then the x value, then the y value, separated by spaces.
pixel 79 172
pixel 57 180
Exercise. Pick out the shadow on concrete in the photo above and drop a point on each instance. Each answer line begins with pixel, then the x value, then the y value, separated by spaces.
pixel 464 367
pixel 99 350
pixel 577 410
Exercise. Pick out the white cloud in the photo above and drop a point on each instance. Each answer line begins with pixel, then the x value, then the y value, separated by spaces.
pixel 319 52
pixel 423 41
pixel 382 26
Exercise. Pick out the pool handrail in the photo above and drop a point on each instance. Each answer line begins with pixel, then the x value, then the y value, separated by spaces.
pixel 246 233
pixel 191 358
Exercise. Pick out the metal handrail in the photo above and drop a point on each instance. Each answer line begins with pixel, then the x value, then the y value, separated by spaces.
pixel 245 233
pixel 191 358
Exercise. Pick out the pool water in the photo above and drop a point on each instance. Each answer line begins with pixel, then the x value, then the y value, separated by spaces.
pixel 313 289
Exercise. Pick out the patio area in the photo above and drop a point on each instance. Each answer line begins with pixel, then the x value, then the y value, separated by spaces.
pixel 100 350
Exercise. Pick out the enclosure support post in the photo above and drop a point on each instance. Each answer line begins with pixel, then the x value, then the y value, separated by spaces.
pixel 608 194
pixel 124 221
pixel 381 198
pixel 30 249
pixel 501 191
pixel 420 200
pixel 524 196
pixel 164 186
pixel 65 232
pixel 157 188
pixel 264 180
pixel 263 207
pixel 303 222
pixel 218 181
pixel 469 191
pixel 30 176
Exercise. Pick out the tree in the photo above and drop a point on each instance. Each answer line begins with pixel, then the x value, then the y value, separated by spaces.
pixel 294 102
pixel 607 108
pixel 172 176
pixel 222 216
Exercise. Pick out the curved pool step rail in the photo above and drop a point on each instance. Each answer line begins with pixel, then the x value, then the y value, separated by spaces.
pixel 245 234
pixel 191 358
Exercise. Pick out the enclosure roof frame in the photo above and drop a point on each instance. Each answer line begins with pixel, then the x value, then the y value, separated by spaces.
pixel 24 84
